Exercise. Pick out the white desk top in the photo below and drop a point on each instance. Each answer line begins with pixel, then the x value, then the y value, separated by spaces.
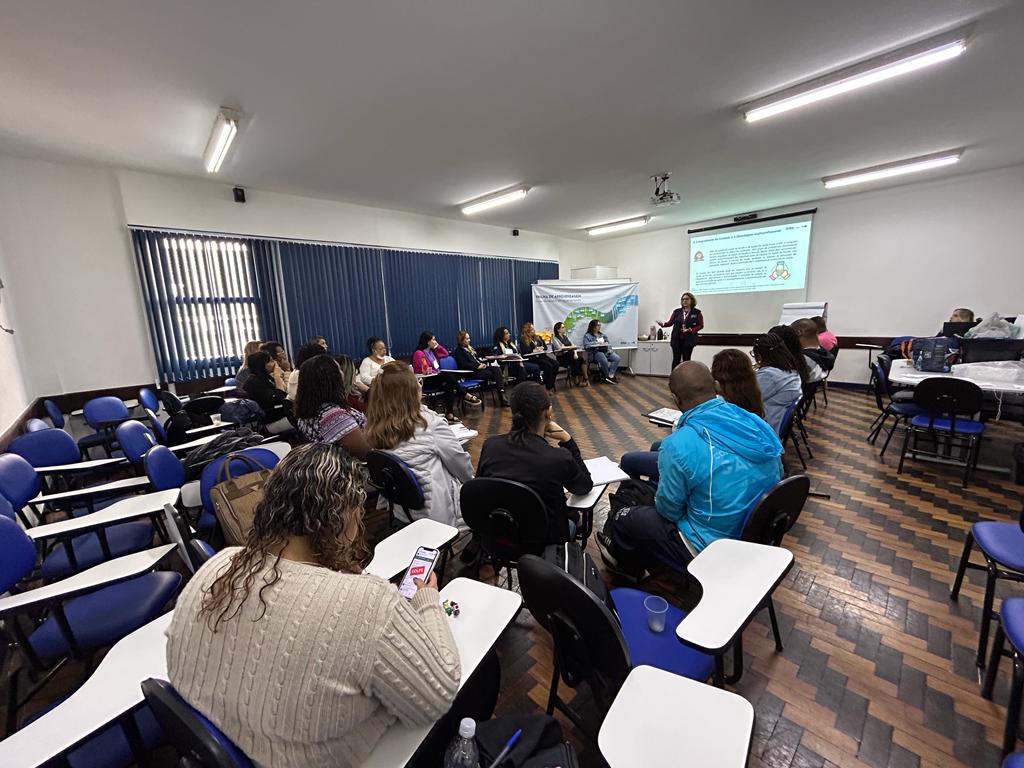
pixel 393 555
pixel 463 433
pixel 604 471
pixel 113 689
pixel 193 443
pixel 79 466
pixel 903 372
pixel 735 576
pixel 654 710
pixel 586 500
pixel 126 509
pixel 118 569
pixel 217 426
pixel 485 611
pixel 127 484
pixel 222 390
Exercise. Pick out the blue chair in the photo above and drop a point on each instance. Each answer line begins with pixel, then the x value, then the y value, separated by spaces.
pixel 1016 760
pixel 163 468
pixel 135 438
pixel 19 484
pixel 158 427
pixel 198 741
pixel 591 645
pixel 231 382
pixel 35 425
pixel 103 414
pixel 148 399
pixel 1002 546
pixel 55 414
pixel 465 385
pixel 396 483
pixel 75 623
pixel 901 410
pixel 211 472
pixel 1011 627
pixel 46 448
pixel 946 406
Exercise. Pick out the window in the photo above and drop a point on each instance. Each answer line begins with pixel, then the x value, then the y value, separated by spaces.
pixel 203 301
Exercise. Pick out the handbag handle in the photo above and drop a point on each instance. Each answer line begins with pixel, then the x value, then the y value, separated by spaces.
pixel 225 469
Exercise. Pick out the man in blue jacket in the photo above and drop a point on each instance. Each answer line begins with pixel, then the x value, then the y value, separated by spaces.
pixel 717 462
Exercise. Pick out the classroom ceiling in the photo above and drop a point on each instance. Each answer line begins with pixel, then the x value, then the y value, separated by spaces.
pixel 419 106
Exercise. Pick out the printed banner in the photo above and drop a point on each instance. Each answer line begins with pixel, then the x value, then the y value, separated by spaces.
pixel 577 302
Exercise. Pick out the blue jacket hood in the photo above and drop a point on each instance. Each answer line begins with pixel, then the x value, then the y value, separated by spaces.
pixel 734 429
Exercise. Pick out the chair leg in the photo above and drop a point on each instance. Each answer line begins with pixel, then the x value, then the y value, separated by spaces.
pixel 775 625
pixel 799 453
pixel 1013 707
pixel 903 451
pixel 553 688
pixel 965 558
pixel 993 663
pixel 889 435
pixel 986 613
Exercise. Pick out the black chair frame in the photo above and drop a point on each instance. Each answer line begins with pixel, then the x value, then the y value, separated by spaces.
pixel 946 398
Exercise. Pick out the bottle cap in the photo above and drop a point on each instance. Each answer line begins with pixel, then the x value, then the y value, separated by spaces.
pixel 467 728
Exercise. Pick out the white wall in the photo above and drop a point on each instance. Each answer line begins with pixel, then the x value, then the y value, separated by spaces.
pixel 70 274
pixel 14 396
pixel 889 262
pixel 174 202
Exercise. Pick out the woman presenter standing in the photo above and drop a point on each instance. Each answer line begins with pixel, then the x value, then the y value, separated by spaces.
pixel 686 322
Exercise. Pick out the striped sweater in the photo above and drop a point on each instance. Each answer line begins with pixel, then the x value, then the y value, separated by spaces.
pixel 319 678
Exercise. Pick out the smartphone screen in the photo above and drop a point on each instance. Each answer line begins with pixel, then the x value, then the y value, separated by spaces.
pixel 420 568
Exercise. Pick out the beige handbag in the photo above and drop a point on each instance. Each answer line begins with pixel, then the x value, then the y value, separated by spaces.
pixel 235 498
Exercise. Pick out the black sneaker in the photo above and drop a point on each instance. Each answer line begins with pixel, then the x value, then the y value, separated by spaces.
pixel 604 548
pixel 610 381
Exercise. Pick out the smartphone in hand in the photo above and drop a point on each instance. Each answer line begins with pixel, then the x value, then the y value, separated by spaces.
pixel 421 567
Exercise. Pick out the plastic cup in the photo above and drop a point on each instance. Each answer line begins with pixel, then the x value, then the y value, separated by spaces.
pixel 657 612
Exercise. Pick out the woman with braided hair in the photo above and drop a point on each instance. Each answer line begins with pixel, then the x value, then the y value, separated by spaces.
pixel 778 376
pixel 539 453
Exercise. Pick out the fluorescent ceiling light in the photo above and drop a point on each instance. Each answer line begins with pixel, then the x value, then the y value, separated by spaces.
pixel 492 201
pixel 618 226
pixel 913 165
pixel 860 75
pixel 225 127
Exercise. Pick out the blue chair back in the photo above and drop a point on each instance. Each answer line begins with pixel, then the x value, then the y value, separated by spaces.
pixel 448 363
pixel 36 425
pixel 786 425
pixel 46 448
pixel 18 480
pixel 101 410
pixel 6 510
pixel 211 472
pixel 163 468
pixel 17 554
pixel 158 427
pixel 135 438
pixel 231 382
pixel 56 417
pixel 172 403
pixel 148 399
pixel 197 740
pixel 394 479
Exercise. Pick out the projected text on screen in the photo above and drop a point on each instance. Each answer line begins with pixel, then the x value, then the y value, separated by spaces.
pixel 768 258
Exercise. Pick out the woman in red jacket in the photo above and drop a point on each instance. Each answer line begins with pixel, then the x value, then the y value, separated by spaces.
pixel 426 360
pixel 686 322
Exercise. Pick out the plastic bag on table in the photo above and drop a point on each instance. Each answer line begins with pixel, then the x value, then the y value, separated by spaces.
pixel 994 328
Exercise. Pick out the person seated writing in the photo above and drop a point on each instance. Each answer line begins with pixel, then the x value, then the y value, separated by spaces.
pixel 539 453
pixel 426 361
pixel 520 371
pixel 467 360
pixel 397 422
pixel 321 405
pixel 599 349
pixel 300 658
pixel 716 463
pixel 531 341
pixel 568 356
pixel 807 332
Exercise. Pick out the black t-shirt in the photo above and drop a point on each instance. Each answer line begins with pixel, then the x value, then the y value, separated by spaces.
pixel 549 470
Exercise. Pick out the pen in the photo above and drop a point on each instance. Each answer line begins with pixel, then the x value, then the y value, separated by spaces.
pixel 508 748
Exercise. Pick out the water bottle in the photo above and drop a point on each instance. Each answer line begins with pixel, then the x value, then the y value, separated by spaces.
pixel 462 752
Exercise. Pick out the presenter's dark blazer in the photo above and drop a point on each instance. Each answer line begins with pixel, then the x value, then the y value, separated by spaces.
pixel 681 319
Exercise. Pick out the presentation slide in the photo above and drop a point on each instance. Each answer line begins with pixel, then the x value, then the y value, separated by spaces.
pixel 769 257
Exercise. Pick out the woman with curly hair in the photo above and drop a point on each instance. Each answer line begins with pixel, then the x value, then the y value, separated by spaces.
pixel 288 648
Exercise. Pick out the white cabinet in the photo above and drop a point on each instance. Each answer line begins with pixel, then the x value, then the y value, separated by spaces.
pixel 652 358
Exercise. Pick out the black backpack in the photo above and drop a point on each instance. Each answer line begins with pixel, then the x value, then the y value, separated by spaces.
pixel 226 442
pixel 178 425
pixel 631 493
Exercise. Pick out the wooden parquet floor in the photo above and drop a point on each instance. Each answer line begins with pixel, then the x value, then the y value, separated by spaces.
pixel 878 667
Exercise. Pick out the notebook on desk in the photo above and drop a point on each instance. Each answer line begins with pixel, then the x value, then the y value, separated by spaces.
pixel 604 471
pixel 664 416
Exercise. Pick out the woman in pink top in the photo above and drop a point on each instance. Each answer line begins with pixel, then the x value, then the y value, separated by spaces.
pixel 826 338
pixel 426 360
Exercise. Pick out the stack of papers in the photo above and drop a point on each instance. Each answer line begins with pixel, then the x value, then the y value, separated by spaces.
pixel 666 416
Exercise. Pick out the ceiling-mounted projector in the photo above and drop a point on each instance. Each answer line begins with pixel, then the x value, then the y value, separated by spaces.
pixel 662 195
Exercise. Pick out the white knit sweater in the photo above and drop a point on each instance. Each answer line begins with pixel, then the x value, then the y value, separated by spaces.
pixel 318 679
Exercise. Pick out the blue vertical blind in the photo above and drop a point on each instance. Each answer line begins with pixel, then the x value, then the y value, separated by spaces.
pixel 334 291
pixel 206 295
pixel 204 300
